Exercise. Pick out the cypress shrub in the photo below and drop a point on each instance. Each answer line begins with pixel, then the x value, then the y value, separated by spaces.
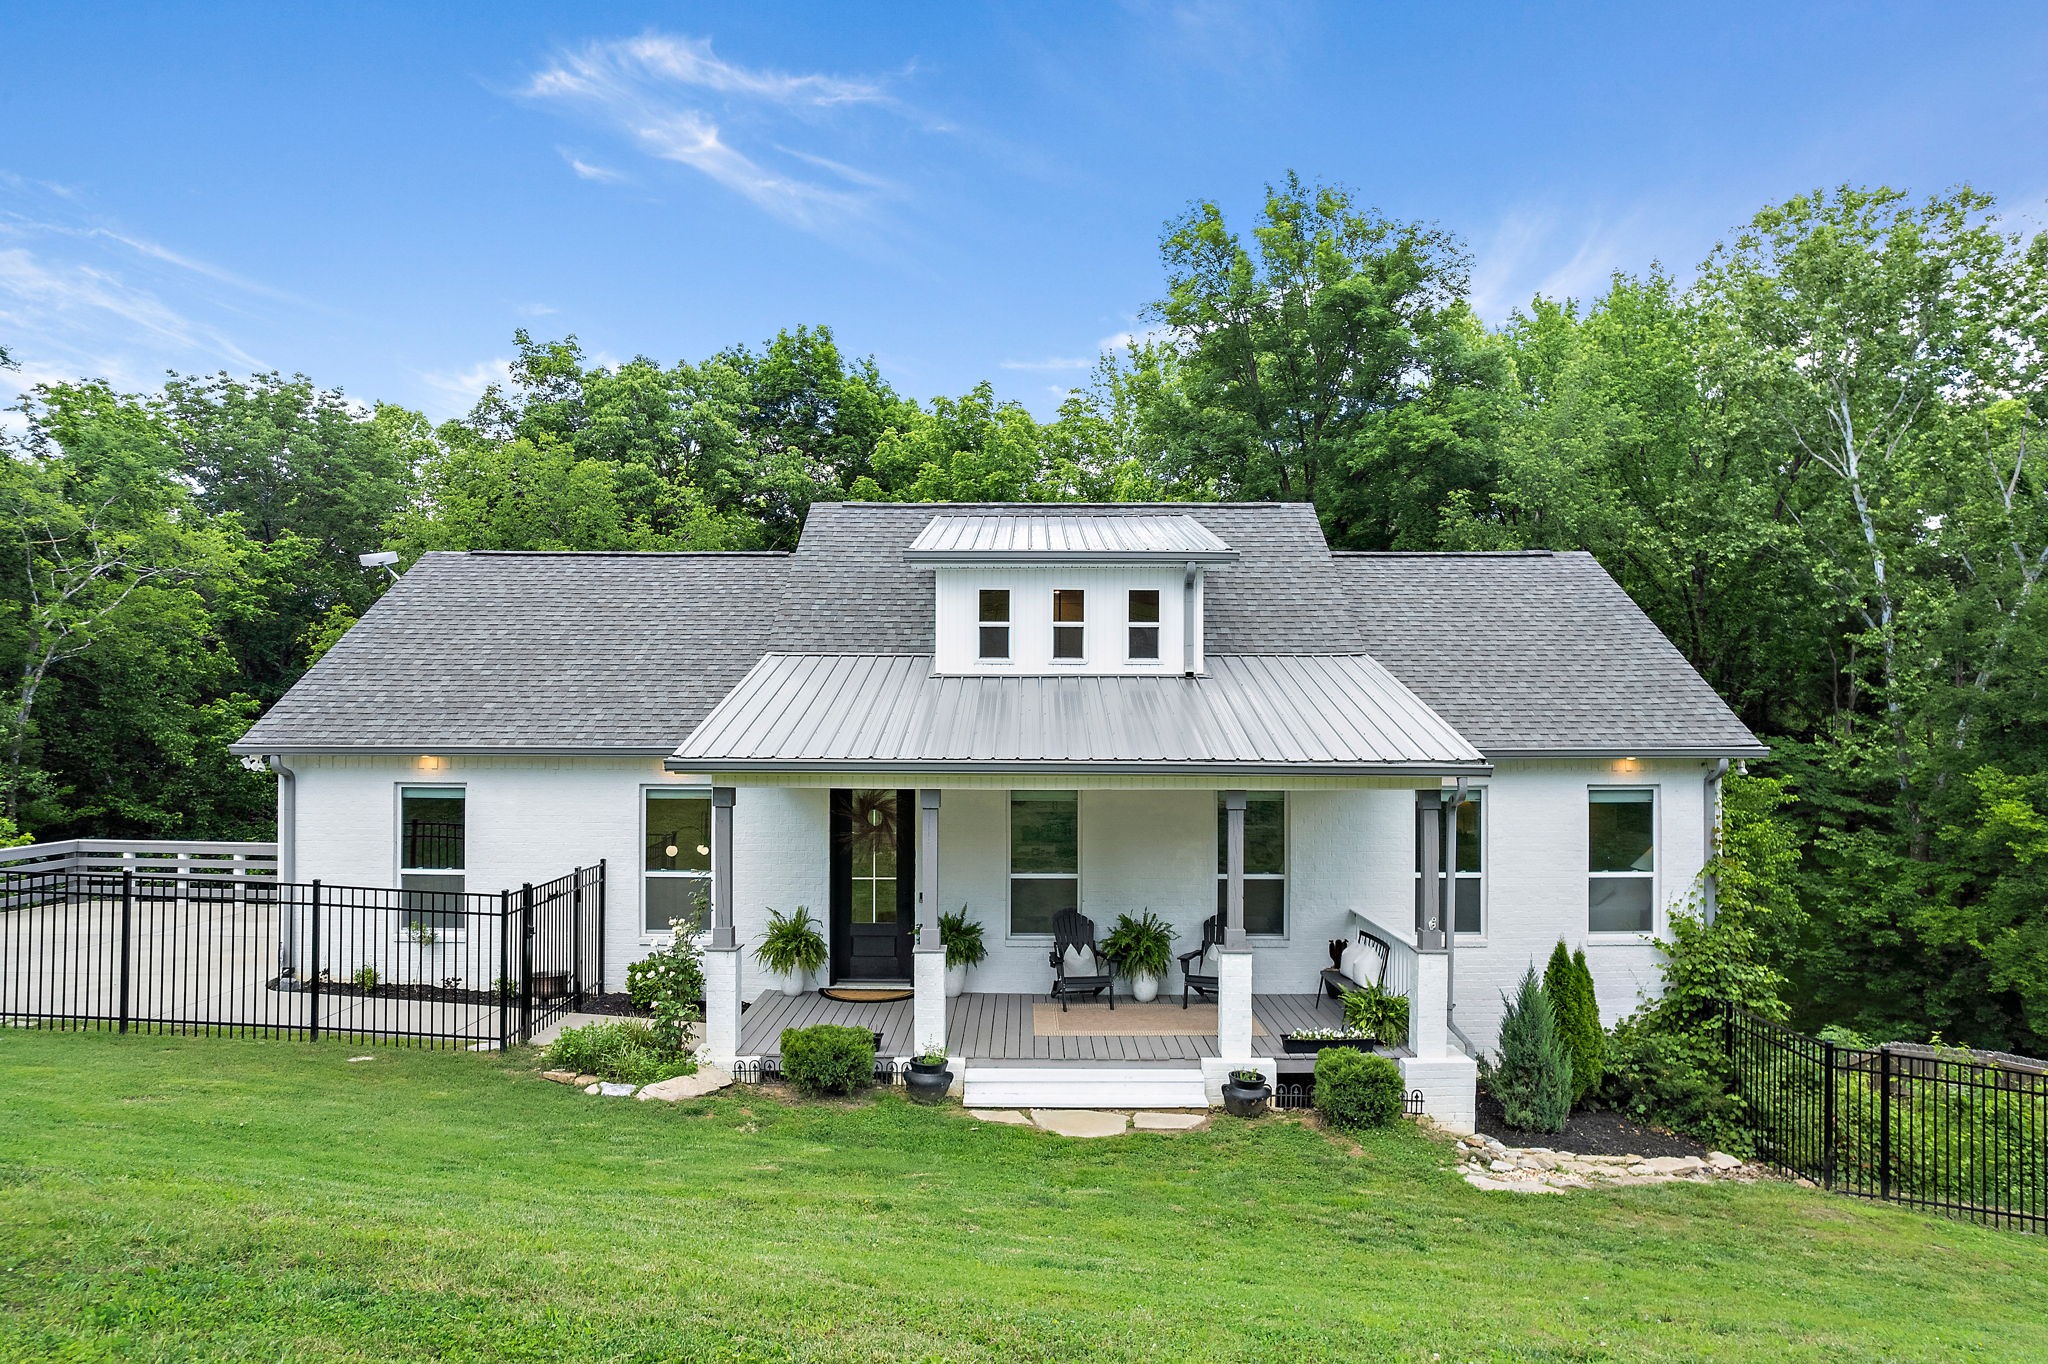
pixel 828 1059
pixel 1577 1015
pixel 1534 1078
pixel 1356 1088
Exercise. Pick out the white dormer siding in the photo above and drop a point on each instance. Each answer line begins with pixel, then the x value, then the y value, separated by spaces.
pixel 1105 627
pixel 1068 592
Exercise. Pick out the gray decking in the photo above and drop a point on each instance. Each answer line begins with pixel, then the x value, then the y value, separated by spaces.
pixel 998 1027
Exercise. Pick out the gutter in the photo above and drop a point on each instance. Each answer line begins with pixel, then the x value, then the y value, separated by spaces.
pixel 1189 579
pixel 742 766
pixel 1638 751
pixel 287 862
pixel 260 748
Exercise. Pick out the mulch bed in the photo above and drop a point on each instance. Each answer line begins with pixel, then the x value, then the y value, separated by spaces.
pixel 620 1005
pixel 1588 1132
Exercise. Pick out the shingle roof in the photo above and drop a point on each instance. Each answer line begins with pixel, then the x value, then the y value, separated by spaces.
pixel 1522 653
pixel 1251 713
pixel 474 652
pixel 1535 652
pixel 1173 536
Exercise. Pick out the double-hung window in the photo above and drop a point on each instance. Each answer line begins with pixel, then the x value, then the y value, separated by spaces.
pixel 1468 902
pixel 1069 630
pixel 994 616
pixel 1045 858
pixel 676 881
pixel 433 838
pixel 1144 627
pixel 1265 861
pixel 1621 867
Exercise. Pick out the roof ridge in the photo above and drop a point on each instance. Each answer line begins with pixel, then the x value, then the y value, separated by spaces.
pixel 1452 553
pixel 621 553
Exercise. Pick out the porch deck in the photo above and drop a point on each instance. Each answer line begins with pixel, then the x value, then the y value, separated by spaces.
pixel 998 1027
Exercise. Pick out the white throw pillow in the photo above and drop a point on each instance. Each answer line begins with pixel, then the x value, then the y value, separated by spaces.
pixel 1352 961
pixel 1372 960
pixel 1208 962
pixel 1079 961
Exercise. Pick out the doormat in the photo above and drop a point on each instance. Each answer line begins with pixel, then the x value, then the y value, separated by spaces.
pixel 852 996
pixel 1127 1020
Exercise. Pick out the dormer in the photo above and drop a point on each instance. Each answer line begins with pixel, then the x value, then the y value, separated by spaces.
pixel 1049 593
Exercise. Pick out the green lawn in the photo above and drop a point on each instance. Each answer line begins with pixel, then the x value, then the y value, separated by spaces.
pixel 172 1198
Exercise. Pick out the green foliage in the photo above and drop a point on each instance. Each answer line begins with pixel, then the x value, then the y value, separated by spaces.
pixel 961 937
pixel 1140 947
pixel 673 1021
pixel 625 1051
pixel 674 972
pixel 1674 1080
pixel 365 979
pixel 1568 984
pixel 792 944
pixel 828 1059
pixel 1377 1013
pixel 1356 1089
pixel 1533 1079
pixel 12 835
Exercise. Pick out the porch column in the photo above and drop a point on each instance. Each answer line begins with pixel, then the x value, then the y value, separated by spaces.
pixel 1429 905
pixel 1429 1019
pixel 928 960
pixel 722 954
pixel 1234 954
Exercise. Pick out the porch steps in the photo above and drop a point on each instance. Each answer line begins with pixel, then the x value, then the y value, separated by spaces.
pixel 1083 1086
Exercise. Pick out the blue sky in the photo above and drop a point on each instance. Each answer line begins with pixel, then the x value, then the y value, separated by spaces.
pixel 379 195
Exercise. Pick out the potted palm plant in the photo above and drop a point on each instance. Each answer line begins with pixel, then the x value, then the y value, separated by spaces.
pixel 961 937
pixel 1140 949
pixel 792 948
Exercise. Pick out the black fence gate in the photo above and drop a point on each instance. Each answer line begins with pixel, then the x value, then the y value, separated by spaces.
pixel 1954 1131
pixel 254 955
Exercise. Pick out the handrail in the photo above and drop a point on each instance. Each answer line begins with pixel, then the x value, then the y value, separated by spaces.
pixel 1401 962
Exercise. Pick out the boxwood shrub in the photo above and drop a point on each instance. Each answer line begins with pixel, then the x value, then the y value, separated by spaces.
pixel 1357 1089
pixel 828 1059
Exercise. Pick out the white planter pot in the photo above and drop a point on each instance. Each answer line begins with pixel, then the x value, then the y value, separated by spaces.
pixel 956 981
pixel 1144 988
pixel 797 983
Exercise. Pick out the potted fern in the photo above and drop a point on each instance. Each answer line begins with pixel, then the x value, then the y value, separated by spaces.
pixel 961 937
pixel 792 948
pixel 1140 949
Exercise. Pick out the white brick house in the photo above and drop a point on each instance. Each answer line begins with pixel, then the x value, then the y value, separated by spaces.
pixel 1066 708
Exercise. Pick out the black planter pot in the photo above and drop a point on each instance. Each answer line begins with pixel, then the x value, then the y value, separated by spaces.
pixel 928 1067
pixel 1301 1046
pixel 1245 1101
pixel 927 1086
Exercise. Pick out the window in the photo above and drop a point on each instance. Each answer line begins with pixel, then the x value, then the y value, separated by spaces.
pixel 1265 861
pixel 1468 905
pixel 1069 608
pixel 1045 858
pixel 995 623
pixel 1622 861
pixel 677 881
pixel 432 847
pixel 1144 624
pixel 871 845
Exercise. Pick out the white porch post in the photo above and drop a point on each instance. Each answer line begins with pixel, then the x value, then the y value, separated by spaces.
pixel 1234 955
pixel 722 955
pixel 1447 1078
pixel 928 960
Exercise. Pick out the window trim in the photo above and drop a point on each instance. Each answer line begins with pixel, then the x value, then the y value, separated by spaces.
pixel 1011 876
pixel 648 790
pixel 455 932
pixel 1476 795
pixel 1053 656
pixel 1283 876
pixel 1629 937
pixel 1007 625
pixel 1157 626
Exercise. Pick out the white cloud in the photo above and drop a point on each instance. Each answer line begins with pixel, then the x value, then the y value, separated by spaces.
pixel 674 99
pixel 603 175
pixel 458 392
pixel 536 310
pixel 1537 249
pixel 1052 363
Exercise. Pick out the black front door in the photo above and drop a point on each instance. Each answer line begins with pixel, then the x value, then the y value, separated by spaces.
pixel 874 881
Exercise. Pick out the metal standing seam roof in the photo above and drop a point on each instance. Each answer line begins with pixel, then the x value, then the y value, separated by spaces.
pixel 1172 536
pixel 1326 713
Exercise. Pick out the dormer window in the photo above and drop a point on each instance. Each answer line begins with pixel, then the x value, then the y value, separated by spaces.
pixel 995 625
pixel 1069 611
pixel 1144 627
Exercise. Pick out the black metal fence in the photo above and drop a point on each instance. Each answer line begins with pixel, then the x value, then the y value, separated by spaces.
pixel 258 956
pixel 1299 1092
pixel 752 1070
pixel 1953 1131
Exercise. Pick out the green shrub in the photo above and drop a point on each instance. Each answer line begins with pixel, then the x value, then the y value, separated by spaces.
pixel 1678 1080
pixel 365 979
pixel 674 972
pixel 828 1059
pixel 1568 984
pixel 1378 1013
pixel 1356 1089
pixel 628 1052
pixel 1534 1078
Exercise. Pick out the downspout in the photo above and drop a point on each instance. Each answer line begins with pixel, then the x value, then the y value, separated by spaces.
pixel 1189 579
pixel 287 869
pixel 1710 887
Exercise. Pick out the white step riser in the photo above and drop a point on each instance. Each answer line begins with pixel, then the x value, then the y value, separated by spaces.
pixel 1003 1087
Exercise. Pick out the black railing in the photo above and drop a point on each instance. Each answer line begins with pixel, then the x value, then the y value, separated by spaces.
pixel 281 958
pixel 752 1070
pixel 1301 1094
pixel 1953 1131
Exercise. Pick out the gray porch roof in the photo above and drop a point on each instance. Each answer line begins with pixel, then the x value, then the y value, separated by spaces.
pixel 1338 714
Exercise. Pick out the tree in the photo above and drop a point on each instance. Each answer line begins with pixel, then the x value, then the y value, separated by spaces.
pixel 1533 1079
pixel 1577 1012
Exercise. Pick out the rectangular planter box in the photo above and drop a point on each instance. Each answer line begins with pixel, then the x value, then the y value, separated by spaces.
pixel 1299 1046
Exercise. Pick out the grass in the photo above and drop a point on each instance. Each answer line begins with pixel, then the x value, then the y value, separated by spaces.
pixel 189 1198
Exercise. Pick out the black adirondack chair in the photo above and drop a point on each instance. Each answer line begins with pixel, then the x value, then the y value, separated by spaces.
pixel 1071 929
pixel 1192 981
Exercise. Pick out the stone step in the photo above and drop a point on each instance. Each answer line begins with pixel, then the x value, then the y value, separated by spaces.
pixel 1084 1087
